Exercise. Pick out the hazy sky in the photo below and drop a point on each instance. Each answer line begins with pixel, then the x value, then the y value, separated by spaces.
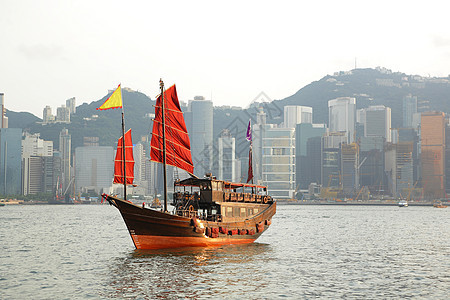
pixel 53 50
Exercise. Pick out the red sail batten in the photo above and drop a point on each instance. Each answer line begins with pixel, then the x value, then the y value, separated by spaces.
pixel 178 146
pixel 129 160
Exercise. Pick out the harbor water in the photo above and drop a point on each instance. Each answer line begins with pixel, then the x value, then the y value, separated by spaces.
pixel 363 252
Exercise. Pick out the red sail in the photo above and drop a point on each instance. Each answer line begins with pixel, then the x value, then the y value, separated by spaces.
pixel 178 147
pixel 129 160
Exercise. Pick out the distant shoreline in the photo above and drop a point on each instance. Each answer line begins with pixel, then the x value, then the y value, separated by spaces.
pixel 358 203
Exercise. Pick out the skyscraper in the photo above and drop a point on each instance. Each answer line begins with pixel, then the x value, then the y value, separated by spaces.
pixel 331 162
pixel 200 128
pixel 278 161
pixel 227 157
pixel 295 114
pixel 409 109
pixel 303 163
pixel 66 153
pixel 34 166
pixel 10 161
pixel 433 154
pixel 342 116
pixel 378 122
pixel 349 168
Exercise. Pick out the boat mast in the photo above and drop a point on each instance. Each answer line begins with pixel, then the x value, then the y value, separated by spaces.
pixel 161 84
pixel 124 160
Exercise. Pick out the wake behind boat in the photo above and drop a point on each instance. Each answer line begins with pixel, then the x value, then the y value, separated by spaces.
pixel 207 211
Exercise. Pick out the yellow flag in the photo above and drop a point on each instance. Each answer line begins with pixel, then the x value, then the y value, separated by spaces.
pixel 114 101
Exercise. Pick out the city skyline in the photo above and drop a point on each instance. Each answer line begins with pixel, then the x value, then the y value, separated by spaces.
pixel 56 50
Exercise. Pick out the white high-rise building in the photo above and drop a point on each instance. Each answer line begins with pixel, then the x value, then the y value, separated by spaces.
pixel 33 145
pixel 378 122
pixel 227 157
pixel 65 144
pixel 274 158
pixel 34 150
pixel 342 115
pixel 139 163
pixel 296 114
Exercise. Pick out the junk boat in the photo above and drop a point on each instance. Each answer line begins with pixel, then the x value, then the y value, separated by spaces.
pixel 207 212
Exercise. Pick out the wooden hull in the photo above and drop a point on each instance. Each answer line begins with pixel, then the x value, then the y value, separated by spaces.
pixel 152 229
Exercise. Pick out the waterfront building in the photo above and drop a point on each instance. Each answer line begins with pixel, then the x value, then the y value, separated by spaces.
pixel 65 144
pixel 411 135
pixel 433 154
pixel 227 157
pixel 371 170
pixel 303 163
pixel 330 158
pixel 447 157
pixel 296 114
pixel 35 169
pixel 349 155
pixel 342 116
pixel 278 161
pixel 409 109
pixel 313 157
pixel 399 168
pixel 94 168
pixel 199 122
pixel 377 122
pixel 10 161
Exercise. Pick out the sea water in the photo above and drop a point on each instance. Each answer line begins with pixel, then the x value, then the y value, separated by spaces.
pixel 364 252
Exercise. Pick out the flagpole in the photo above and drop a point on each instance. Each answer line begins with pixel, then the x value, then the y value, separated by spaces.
pixel 161 84
pixel 123 153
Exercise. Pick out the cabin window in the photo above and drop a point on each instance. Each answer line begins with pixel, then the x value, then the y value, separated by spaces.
pixel 242 211
pixel 229 212
pixel 236 211
pixel 255 211
pixel 249 211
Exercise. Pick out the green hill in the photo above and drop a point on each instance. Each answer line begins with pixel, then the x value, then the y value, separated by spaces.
pixel 89 122
pixel 368 86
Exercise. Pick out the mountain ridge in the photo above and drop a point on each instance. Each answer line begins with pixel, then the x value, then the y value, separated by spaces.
pixel 378 86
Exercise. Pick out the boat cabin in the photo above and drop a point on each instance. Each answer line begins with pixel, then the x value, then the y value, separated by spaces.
pixel 218 200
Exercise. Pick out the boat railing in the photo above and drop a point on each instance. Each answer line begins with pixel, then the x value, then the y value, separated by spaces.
pixel 245 197
pixel 186 213
pixel 227 197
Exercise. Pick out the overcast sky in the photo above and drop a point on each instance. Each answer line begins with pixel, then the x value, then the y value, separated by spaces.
pixel 230 50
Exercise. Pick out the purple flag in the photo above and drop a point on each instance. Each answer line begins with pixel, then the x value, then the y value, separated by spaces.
pixel 249 131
